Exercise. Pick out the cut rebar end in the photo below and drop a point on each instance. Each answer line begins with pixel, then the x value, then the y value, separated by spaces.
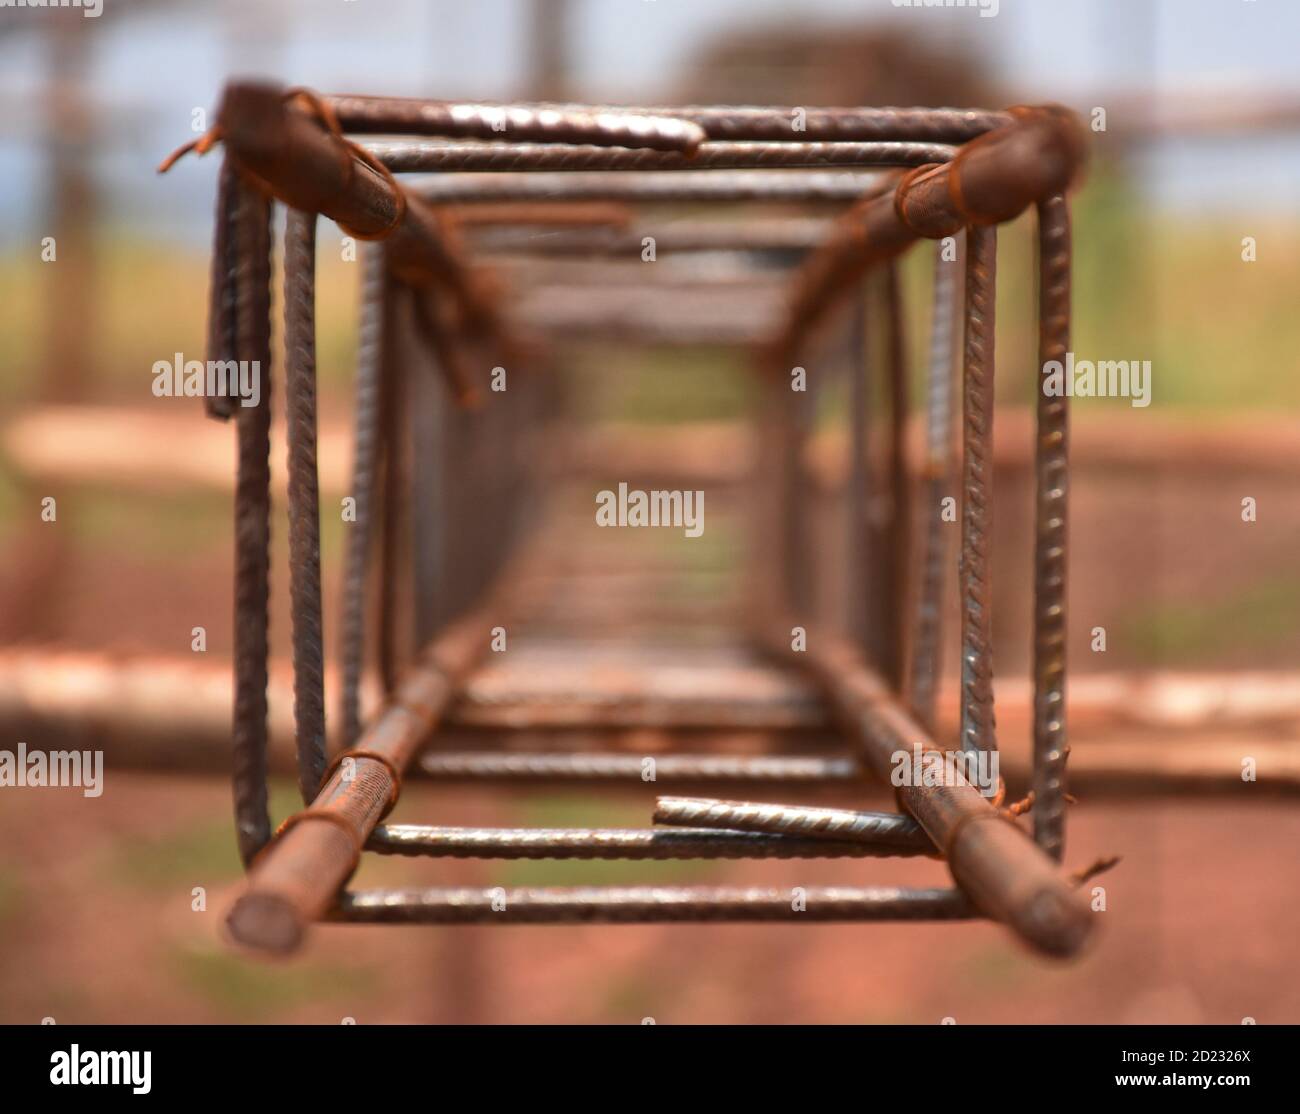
pixel 1058 925
pixel 266 923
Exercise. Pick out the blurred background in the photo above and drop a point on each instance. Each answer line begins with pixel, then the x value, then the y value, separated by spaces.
pixel 1201 610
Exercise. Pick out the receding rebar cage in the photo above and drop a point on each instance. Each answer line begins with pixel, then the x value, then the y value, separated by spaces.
pixel 523 231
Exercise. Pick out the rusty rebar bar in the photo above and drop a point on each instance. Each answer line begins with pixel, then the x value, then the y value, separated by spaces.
pixel 621 843
pixel 308 633
pixel 1051 481
pixel 223 286
pixel 664 315
pixel 978 729
pixel 883 829
pixel 757 122
pixel 650 186
pixel 651 769
pixel 857 488
pixel 394 539
pixel 894 575
pixel 651 905
pixel 516 123
pixel 788 235
pixel 796 417
pixel 406 156
pixel 252 249
pixel 371 353
pixel 1004 872
pixel 297 878
pixel 295 157
pixel 926 661
pixel 532 218
pixel 763 123
pixel 989 180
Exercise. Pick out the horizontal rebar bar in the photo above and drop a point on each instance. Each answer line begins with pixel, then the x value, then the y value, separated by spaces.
pixel 651 905
pixel 298 875
pixel 661 186
pixel 624 843
pixel 664 315
pixel 760 235
pixel 722 122
pixel 594 766
pixel 1004 872
pixel 409 156
pixel 768 122
pixel 517 123
pixel 877 828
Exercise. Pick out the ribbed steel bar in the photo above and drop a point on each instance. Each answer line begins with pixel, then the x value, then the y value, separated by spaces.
pixel 886 829
pixel 308 632
pixel 364 489
pixel 291 155
pixel 893 576
pixel 438 334
pixel 620 843
pixel 222 326
pixel 783 235
pixel 978 729
pixel 857 489
pixel 252 522
pixel 926 660
pixel 394 508
pixel 796 418
pixel 1051 475
pixel 516 123
pixel 720 273
pixel 596 766
pixel 774 123
pixel 533 217
pixel 651 186
pixel 988 181
pixel 759 122
pixel 651 905
pixel 408 156
pixel 663 315
pixel 300 874
pixel 1005 873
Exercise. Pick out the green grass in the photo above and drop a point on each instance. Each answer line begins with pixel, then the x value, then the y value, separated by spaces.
pixel 246 992
pixel 659 387
pixel 1263 615
pixel 1217 330
pixel 992 970
pixel 148 302
pixel 199 853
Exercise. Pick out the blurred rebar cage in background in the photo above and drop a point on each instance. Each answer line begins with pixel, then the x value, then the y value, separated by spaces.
pixel 527 232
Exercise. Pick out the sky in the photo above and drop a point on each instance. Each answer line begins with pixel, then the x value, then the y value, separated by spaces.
pixel 152 68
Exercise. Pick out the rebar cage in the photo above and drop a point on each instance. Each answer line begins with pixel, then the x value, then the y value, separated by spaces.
pixel 444 479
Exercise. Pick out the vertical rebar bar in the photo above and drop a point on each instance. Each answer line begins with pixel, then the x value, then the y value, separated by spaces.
pixel 304 499
pixel 801 496
pixel 858 488
pixel 897 563
pixel 926 638
pixel 977 723
pixel 1051 479
pixel 395 563
pixel 223 296
pixel 365 456
pixel 252 523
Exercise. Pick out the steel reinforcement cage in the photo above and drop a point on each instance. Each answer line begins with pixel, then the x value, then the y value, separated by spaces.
pixel 435 317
